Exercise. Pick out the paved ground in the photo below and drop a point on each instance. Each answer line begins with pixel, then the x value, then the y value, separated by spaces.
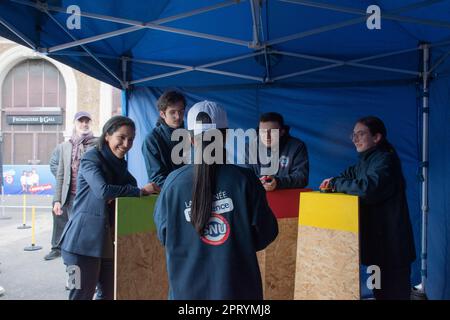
pixel 25 275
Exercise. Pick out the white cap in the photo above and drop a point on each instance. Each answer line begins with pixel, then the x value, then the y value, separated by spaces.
pixel 213 110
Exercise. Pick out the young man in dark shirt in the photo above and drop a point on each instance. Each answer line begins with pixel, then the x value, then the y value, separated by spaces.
pixel 157 146
pixel 293 169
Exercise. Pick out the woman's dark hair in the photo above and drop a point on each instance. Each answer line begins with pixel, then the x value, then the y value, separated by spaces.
pixel 376 125
pixel 204 183
pixel 170 98
pixel 112 125
pixel 272 116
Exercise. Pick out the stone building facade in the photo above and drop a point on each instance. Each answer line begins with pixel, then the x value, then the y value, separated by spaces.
pixel 38 100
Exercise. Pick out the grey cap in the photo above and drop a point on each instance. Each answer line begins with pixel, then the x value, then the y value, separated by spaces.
pixel 81 114
pixel 213 110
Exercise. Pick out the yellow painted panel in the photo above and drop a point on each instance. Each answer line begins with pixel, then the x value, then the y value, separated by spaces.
pixel 336 211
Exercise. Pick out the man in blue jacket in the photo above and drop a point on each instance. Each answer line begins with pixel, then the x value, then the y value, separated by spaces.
pixel 157 146
pixel 293 169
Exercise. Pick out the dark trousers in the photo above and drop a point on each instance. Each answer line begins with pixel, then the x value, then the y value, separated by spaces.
pixel 59 222
pixel 93 273
pixel 395 284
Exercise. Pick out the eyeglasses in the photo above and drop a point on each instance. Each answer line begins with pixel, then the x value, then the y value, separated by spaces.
pixel 358 135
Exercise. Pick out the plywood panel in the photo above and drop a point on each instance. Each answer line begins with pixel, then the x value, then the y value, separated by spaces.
pixel 327 265
pixel 278 262
pixel 141 268
pixel 140 263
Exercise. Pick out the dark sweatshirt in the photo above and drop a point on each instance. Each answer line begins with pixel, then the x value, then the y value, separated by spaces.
pixel 293 170
pixel 156 149
pixel 222 264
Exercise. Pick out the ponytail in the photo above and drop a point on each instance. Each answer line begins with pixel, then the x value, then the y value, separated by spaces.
pixel 204 183
pixel 202 195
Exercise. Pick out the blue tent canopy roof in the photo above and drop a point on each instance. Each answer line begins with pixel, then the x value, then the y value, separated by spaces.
pixel 190 43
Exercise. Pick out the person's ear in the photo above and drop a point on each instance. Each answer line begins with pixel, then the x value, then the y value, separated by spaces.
pixel 377 138
pixel 162 115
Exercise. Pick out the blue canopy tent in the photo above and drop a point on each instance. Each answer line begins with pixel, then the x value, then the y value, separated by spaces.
pixel 322 64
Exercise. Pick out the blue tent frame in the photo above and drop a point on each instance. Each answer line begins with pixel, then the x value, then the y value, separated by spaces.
pixel 160 44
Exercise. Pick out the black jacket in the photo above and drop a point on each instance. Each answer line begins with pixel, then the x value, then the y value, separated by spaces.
pixel 385 228
pixel 156 149
pixel 293 169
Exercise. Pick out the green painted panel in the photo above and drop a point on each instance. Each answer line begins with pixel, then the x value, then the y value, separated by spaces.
pixel 135 215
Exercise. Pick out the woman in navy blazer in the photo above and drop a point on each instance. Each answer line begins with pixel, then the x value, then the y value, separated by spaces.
pixel 87 240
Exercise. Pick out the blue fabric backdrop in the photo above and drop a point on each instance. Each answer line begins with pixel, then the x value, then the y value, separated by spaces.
pixel 322 117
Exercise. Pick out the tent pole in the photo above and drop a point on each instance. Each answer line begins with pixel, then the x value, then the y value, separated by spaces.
pixel 440 61
pixel 139 25
pixel 82 46
pixel 346 23
pixel 136 25
pixel 129 21
pixel 202 68
pixel 256 11
pixel 124 73
pixel 386 15
pixel 425 121
pixel 18 33
pixel 337 63
pixel 124 86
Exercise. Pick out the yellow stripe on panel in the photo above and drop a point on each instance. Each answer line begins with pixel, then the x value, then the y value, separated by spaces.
pixel 335 211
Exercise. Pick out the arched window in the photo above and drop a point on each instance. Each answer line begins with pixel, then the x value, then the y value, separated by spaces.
pixel 34 83
pixel 32 87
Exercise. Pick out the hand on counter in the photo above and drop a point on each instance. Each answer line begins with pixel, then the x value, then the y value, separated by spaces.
pixel 150 188
pixel 325 185
pixel 269 183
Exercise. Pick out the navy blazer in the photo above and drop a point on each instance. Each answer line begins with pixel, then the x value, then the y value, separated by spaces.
pixel 101 177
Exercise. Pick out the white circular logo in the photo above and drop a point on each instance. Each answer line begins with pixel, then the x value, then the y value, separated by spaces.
pixel 216 231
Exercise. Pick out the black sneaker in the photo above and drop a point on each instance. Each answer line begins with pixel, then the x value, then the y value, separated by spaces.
pixel 53 255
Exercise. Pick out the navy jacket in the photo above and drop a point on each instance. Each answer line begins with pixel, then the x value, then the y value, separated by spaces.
pixel 156 149
pixel 101 177
pixel 385 227
pixel 293 170
pixel 221 264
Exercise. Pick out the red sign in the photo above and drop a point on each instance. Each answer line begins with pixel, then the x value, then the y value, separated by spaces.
pixel 41 188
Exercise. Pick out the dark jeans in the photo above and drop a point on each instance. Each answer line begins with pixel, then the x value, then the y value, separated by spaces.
pixel 59 222
pixel 93 273
pixel 395 284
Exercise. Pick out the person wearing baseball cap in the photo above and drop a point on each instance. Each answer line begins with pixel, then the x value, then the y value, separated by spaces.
pixel 212 218
pixel 64 163
pixel 82 114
